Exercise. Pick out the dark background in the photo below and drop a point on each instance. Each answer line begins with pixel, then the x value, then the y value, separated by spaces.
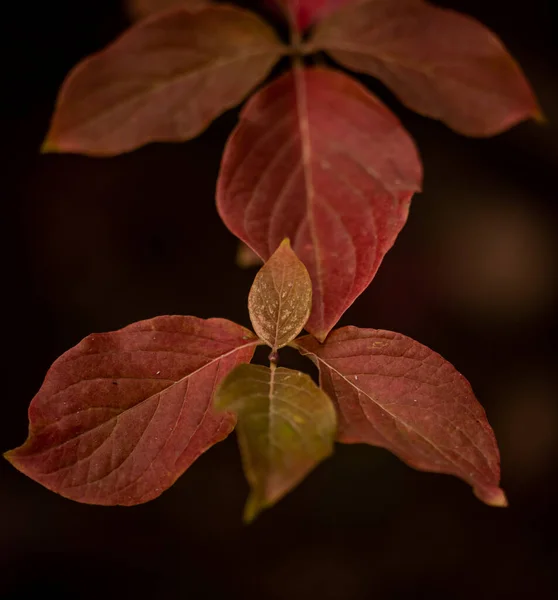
pixel 93 244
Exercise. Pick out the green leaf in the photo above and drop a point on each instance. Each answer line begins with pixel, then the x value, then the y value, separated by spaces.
pixel 286 426
pixel 280 300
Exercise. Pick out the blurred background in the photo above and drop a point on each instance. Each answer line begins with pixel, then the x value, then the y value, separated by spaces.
pixel 91 245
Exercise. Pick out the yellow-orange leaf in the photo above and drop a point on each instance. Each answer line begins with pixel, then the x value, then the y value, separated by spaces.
pixel 281 298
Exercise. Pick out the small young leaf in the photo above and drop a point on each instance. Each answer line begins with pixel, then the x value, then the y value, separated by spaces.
pixel 393 392
pixel 165 79
pixel 439 63
pixel 318 159
pixel 281 298
pixel 286 426
pixel 122 415
pixel 139 9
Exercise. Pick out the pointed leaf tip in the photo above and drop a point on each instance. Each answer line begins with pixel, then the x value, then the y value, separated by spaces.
pixel 492 496
pixel 48 147
pixel 540 117
pixel 286 426
pixel 280 299
pixel 255 504
pixel 250 511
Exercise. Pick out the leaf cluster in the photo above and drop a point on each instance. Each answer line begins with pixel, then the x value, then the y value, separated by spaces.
pixel 316 159
pixel 122 415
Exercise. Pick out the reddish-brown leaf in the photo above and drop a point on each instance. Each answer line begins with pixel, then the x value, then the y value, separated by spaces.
pixel 139 9
pixel 122 415
pixel 439 63
pixel 303 13
pixel 165 79
pixel 318 159
pixel 393 392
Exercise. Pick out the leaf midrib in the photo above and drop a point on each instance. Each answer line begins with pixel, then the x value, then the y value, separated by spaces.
pixel 420 67
pixel 199 369
pixel 306 153
pixel 398 419
pixel 176 80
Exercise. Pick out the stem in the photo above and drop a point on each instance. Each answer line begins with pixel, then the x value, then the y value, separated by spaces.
pixel 296 38
pixel 273 359
pixel 302 49
pixel 297 47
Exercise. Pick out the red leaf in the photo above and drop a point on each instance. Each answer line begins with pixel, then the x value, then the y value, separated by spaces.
pixel 304 13
pixel 318 159
pixel 439 63
pixel 122 415
pixel 165 79
pixel 393 392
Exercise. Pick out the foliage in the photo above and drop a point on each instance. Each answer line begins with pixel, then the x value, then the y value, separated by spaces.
pixel 315 158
